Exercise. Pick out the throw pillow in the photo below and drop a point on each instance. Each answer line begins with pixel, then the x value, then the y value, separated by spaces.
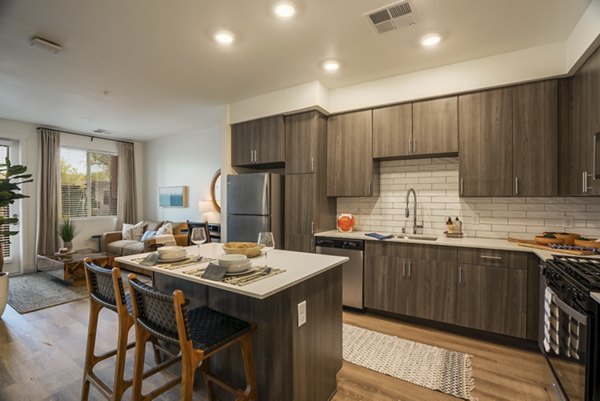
pixel 138 231
pixel 147 235
pixel 131 232
pixel 166 228
pixel 127 232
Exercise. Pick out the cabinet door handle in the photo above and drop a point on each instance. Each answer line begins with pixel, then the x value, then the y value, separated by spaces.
pixel 459 274
pixel 409 268
pixel 516 185
pixel 462 186
pixel 414 146
pixel 403 267
pixel 312 164
pixel 255 156
pixel 251 156
pixel 491 257
pixel 312 227
pixel 586 187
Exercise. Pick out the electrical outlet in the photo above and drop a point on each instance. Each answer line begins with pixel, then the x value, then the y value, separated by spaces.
pixel 301 313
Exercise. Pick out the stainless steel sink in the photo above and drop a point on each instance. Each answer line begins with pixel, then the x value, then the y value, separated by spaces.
pixel 419 237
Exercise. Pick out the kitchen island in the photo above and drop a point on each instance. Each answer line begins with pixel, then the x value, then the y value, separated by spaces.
pixel 291 362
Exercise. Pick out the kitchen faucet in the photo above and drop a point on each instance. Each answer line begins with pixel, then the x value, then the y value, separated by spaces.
pixel 407 211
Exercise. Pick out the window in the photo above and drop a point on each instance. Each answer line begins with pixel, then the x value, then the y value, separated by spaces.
pixel 88 183
pixel 5 211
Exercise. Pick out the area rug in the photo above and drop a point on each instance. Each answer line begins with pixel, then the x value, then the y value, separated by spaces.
pixel 435 368
pixel 40 290
pixel 44 289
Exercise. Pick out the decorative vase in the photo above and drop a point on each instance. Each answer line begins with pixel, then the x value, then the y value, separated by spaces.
pixel 3 291
pixel 346 222
pixel 68 245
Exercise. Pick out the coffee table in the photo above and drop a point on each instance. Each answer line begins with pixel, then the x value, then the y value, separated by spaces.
pixel 72 263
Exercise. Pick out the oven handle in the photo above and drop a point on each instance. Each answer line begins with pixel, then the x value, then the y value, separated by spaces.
pixel 581 318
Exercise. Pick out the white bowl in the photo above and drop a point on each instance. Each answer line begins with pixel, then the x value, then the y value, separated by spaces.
pixel 169 249
pixel 231 259
pixel 239 268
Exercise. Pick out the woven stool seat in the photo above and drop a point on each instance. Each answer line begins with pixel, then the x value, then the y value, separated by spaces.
pixel 210 329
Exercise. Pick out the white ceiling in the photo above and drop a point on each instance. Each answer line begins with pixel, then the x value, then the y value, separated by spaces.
pixel 163 75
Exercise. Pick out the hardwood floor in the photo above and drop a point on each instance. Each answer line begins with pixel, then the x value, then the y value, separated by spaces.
pixel 41 359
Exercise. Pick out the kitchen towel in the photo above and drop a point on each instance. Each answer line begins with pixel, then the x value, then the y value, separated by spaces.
pixel 379 236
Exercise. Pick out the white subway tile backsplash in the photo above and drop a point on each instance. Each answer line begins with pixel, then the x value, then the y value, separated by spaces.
pixel 436 184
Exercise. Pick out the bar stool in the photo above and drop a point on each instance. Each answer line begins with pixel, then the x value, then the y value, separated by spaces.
pixel 200 333
pixel 105 287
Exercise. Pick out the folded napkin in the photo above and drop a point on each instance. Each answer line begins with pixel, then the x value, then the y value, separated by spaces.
pixel 214 272
pixel 379 236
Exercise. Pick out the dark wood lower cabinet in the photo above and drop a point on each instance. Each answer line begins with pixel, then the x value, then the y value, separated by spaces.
pixel 492 299
pixel 427 282
pixel 414 280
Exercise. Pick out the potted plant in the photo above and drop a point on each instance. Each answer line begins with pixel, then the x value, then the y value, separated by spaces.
pixel 11 178
pixel 66 231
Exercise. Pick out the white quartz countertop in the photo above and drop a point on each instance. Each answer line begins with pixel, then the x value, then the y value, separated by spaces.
pixel 298 267
pixel 484 243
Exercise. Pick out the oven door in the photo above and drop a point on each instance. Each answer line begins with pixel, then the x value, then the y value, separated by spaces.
pixel 568 355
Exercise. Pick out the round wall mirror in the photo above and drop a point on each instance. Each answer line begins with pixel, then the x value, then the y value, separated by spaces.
pixel 215 190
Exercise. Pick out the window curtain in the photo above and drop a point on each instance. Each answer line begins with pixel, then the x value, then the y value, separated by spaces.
pixel 126 192
pixel 49 200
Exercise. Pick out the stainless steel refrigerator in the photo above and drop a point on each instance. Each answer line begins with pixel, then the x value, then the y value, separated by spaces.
pixel 255 204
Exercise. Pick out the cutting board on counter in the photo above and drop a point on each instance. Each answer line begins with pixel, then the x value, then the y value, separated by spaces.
pixel 532 244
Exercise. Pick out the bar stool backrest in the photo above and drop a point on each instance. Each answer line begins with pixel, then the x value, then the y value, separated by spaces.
pixel 155 311
pixel 102 286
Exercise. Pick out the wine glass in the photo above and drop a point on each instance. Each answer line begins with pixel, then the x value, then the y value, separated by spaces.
pixel 266 243
pixel 198 236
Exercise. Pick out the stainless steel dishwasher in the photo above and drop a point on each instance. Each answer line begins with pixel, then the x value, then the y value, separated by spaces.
pixel 352 270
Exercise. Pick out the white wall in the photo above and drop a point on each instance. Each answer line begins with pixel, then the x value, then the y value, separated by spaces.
pixel 26 135
pixel 86 227
pixel 436 184
pixel 189 159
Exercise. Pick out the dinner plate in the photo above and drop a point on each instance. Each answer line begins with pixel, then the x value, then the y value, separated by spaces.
pixel 250 269
pixel 172 260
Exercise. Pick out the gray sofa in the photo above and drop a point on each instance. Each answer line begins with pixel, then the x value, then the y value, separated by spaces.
pixel 114 243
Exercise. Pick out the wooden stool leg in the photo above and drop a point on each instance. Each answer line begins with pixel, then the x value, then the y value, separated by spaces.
pixel 141 337
pixel 125 323
pixel 206 372
pixel 157 355
pixel 188 368
pixel 89 348
pixel 251 392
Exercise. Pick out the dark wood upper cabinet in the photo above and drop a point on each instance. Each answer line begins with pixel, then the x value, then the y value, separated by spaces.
pixel 485 143
pixel 350 163
pixel 258 142
pixel 435 126
pixel 584 118
pixel 305 143
pixel 535 139
pixel 392 131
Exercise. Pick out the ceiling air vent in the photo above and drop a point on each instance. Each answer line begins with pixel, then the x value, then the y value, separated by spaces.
pixel 391 17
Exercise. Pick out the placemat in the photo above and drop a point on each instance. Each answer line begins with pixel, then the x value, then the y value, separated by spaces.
pixel 176 265
pixel 260 273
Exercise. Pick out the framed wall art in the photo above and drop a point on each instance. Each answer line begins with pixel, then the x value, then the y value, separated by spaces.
pixel 173 196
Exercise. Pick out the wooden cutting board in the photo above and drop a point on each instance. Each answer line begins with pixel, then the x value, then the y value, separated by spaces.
pixel 547 248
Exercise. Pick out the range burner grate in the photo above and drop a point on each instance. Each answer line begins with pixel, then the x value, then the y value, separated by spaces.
pixel 585 271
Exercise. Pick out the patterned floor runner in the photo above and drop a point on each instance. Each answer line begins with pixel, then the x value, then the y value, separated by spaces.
pixel 435 368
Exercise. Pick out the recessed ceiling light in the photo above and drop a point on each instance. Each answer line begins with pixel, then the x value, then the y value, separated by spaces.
pixel 284 9
pixel 331 65
pixel 224 37
pixel 431 40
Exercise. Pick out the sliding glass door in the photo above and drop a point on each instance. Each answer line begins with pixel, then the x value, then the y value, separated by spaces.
pixel 10 245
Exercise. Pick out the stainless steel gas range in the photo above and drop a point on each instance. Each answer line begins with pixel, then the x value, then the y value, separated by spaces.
pixel 570 337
